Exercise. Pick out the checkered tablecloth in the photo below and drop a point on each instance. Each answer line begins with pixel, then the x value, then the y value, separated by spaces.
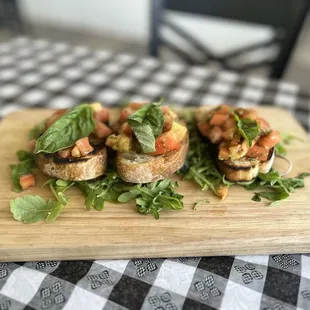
pixel 38 73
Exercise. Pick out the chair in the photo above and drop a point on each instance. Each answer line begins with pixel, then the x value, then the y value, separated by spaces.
pixel 10 16
pixel 286 17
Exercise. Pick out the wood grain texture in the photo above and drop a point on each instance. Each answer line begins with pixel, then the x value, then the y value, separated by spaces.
pixel 232 227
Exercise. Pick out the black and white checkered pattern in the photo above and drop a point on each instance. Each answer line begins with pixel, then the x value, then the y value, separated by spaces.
pixel 240 282
pixel 37 73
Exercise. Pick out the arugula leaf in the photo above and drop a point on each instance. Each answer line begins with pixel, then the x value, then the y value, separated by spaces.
pixel 37 131
pixel 151 198
pixel 198 203
pixel 280 149
pixel 58 188
pixel 66 130
pixel 256 197
pixel 32 209
pixel 97 192
pixel 274 197
pixel 272 177
pixel 278 188
pixel 26 164
pixel 286 139
pixel 248 129
pixel 147 124
pixel 199 165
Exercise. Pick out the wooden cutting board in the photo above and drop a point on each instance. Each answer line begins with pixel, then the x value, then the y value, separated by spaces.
pixel 231 227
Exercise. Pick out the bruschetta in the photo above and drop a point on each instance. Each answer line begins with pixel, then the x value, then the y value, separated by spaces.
pixel 243 141
pixel 151 143
pixel 84 158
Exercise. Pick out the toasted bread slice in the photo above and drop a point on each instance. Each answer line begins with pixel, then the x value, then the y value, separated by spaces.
pixel 245 169
pixel 143 168
pixel 83 168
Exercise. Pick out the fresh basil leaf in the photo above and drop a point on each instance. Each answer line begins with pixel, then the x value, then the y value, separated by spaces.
pixel 32 209
pixel 26 164
pixel 248 129
pixel 37 131
pixel 147 124
pixel 145 137
pixel 66 130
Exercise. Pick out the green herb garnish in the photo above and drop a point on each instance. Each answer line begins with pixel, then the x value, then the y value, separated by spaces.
pixel 66 130
pixel 32 209
pixel 108 188
pixel 37 131
pixel 275 188
pixel 147 124
pixel 26 164
pixel 248 129
pixel 151 198
pixel 199 165
pixel 198 203
pixel 286 139
pixel 58 188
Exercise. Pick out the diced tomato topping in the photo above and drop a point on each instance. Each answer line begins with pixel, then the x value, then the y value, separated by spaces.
pixel 228 135
pixel 165 109
pixel 224 153
pixel 65 153
pixel 270 140
pixel 168 122
pixel 102 130
pixel 229 123
pixel 126 130
pixel 263 124
pixel 165 143
pixel 125 114
pixel 204 128
pixel 136 105
pixel 215 135
pixel 249 113
pixel 27 181
pixel 235 141
pixel 223 109
pixel 84 146
pixel 218 119
pixel 258 152
pixel 170 140
pixel 102 115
